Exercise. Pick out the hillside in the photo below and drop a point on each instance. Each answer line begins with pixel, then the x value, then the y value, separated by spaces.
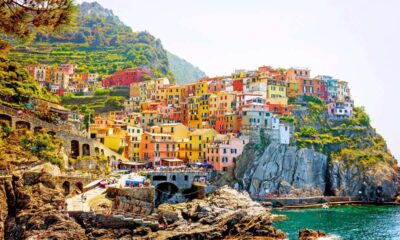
pixel 99 42
pixel 330 157
pixel 183 71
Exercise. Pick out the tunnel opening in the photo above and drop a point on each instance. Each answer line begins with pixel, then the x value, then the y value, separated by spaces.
pixel 66 186
pixel 86 149
pixel 74 148
pixel 22 125
pixel 5 120
pixel 165 191
pixel 37 129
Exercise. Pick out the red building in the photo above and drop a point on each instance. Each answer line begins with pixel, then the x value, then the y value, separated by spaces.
pixel 125 77
pixel 238 85
pixel 284 110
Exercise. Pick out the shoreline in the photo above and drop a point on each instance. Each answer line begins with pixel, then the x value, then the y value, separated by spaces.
pixel 354 203
pixel 319 201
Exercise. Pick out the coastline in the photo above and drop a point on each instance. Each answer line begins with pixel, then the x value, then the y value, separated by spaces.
pixel 319 201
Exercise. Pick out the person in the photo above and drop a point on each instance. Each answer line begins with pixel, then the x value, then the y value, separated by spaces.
pixel 83 197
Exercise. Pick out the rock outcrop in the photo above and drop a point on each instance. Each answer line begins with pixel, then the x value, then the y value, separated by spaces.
pixel 227 213
pixel 284 170
pixel 308 234
pixel 290 171
pixel 32 209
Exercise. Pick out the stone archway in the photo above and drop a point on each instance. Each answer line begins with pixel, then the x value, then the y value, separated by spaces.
pixel 165 191
pixel 37 129
pixel 22 125
pixel 97 151
pixel 86 149
pixel 74 148
pixel 5 120
pixel 67 187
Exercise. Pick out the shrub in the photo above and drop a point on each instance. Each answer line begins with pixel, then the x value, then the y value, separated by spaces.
pixel 102 92
pixel 307 131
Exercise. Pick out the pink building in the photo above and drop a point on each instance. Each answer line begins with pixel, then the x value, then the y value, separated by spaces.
pixel 166 111
pixel 243 98
pixel 224 150
pixel 216 85
pixel 340 109
pixel 67 68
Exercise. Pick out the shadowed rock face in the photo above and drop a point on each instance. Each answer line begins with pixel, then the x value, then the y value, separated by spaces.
pixel 30 209
pixel 285 170
pixel 290 171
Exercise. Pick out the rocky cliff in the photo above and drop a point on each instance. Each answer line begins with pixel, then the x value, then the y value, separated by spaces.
pixel 29 209
pixel 330 157
pixel 284 170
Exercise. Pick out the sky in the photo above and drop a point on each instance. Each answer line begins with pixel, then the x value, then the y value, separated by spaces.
pixel 357 41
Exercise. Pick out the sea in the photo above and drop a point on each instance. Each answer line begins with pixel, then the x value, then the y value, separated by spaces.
pixel 357 222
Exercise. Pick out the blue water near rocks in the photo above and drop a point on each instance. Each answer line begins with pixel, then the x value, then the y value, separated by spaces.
pixel 348 222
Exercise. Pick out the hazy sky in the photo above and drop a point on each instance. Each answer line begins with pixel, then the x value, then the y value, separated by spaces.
pixel 357 41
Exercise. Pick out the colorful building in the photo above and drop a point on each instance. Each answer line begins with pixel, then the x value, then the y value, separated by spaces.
pixel 192 150
pixel 126 77
pixel 224 150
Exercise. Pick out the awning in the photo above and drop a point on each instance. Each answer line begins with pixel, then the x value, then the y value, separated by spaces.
pixel 133 163
pixel 172 160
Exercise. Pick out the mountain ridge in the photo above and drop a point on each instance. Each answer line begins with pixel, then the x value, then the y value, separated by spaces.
pixel 100 42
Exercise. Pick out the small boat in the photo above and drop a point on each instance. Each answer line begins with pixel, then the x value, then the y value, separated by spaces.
pixel 325 206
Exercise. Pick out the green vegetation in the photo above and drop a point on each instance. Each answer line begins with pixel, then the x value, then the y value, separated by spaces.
pixel 102 92
pixel 101 103
pixel 17 87
pixel 183 71
pixel 351 140
pixel 98 43
pixel 288 119
pixel 44 146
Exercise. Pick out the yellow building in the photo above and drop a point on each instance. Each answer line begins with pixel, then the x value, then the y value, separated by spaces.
pixel 194 119
pixel 135 138
pixel 178 131
pixel 134 90
pixel 146 90
pixel 277 92
pixel 115 140
pixel 132 119
pixel 174 95
pixel 199 112
pixel 193 149
pixel 201 88
pixel 149 118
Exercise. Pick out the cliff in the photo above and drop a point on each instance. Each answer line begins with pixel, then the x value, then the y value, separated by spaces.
pixel 331 157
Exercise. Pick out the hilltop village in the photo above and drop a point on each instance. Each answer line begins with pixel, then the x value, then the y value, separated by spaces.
pixel 207 122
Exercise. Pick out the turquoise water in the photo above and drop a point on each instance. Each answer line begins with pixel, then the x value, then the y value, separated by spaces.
pixel 348 222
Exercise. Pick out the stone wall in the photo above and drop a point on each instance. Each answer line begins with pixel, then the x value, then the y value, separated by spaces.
pixel 183 180
pixel 138 200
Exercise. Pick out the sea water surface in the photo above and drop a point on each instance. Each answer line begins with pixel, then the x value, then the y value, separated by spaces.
pixel 348 222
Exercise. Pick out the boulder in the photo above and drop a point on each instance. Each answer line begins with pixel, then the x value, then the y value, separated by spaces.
pixel 308 234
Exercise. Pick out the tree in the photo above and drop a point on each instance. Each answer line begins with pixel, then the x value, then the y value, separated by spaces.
pixel 97 39
pixel 21 18
pixel 80 38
